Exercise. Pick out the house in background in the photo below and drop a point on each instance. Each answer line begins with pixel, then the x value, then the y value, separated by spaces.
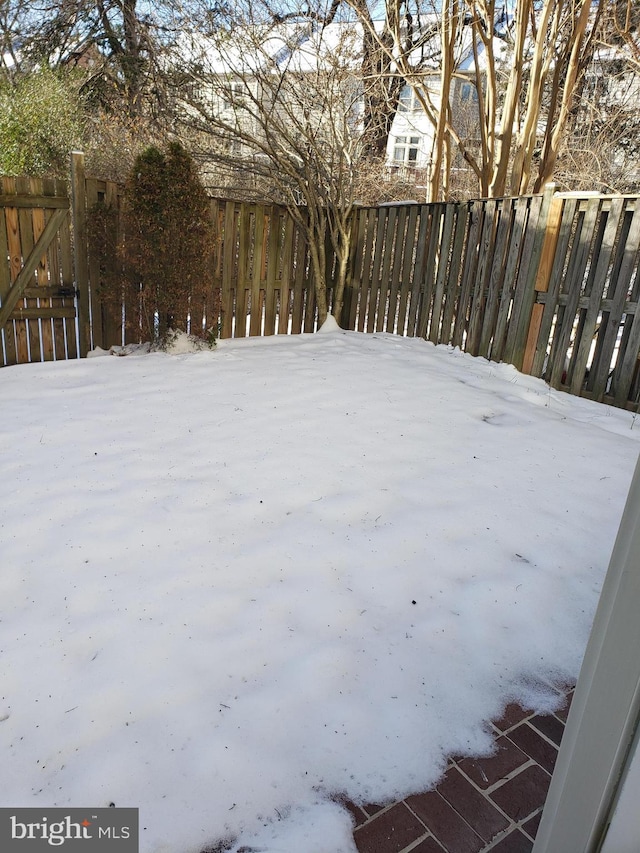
pixel 607 121
pixel 302 47
pixel 410 144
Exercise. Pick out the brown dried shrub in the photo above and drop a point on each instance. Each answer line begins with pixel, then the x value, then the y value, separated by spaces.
pixel 167 244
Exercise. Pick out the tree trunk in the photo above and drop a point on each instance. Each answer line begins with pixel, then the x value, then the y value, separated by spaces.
pixel 448 35
pixel 521 169
pixel 504 137
pixel 381 92
pixel 554 136
pixel 316 234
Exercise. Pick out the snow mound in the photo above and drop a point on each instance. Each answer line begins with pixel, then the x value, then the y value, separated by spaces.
pixel 176 342
pixel 329 325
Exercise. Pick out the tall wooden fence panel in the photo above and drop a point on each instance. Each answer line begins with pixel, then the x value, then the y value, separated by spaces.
pixel 38 297
pixel 584 334
pixel 262 271
pixel 262 283
pixel 455 273
pixel 548 283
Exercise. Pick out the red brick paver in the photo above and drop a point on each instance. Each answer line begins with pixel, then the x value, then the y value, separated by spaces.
pixel 481 804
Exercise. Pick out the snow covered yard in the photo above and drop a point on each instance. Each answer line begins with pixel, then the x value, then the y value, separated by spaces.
pixel 237 583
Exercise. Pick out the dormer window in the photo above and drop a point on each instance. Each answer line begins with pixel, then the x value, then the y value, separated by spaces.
pixel 407 101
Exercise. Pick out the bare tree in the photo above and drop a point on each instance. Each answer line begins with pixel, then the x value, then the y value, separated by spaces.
pixel 622 28
pixel 282 102
pixel 11 12
pixel 382 79
pixel 600 145
pixel 561 54
pixel 118 43
pixel 526 71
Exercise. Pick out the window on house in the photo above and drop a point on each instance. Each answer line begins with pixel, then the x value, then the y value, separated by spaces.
pixel 233 95
pixel 189 90
pixel 405 150
pixel 407 102
pixel 233 146
pixel 468 93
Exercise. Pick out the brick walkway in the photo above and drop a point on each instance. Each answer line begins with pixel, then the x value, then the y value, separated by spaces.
pixel 484 804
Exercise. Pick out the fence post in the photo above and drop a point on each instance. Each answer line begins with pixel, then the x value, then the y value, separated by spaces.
pixel 80 247
pixel 523 311
pixel 543 278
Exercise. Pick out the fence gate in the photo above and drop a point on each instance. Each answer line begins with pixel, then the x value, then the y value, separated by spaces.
pixel 38 304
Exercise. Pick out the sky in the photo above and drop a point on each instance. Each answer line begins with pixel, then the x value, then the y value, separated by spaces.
pixel 240 584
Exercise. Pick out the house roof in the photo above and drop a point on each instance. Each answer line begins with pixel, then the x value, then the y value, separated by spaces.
pixel 305 46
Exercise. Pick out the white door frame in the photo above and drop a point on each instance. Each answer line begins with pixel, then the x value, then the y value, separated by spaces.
pixel 605 712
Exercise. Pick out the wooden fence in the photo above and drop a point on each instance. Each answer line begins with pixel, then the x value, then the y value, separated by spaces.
pixel 37 281
pixel 263 270
pixel 455 273
pixel 584 334
pixel 548 283
pixel 262 282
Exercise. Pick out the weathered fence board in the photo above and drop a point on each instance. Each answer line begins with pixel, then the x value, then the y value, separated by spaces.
pixel 7 338
pixel 479 284
pixel 496 280
pixel 594 290
pixel 463 215
pixel 551 289
pixel 518 322
pixel 447 217
pixel 228 269
pixel 429 260
pixel 108 301
pixel 43 273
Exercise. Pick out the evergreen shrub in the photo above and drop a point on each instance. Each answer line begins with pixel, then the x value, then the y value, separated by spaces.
pixel 167 244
